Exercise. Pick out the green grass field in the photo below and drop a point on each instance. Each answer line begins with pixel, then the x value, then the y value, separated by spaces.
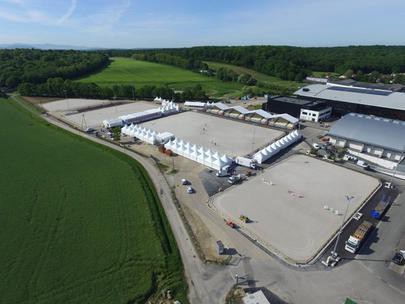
pixel 259 76
pixel 140 73
pixel 79 223
pixel 324 74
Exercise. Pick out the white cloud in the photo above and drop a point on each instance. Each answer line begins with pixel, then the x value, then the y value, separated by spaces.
pixel 104 20
pixel 69 13
pixel 21 12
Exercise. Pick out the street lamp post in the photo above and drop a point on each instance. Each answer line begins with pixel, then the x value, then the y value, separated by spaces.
pixel 396 167
pixel 348 199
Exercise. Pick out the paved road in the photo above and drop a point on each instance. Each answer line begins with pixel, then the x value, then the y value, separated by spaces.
pixel 352 225
pixel 366 282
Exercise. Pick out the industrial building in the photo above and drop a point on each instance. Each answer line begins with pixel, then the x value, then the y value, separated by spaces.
pixel 304 109
pixel 377 136
pixel 371 99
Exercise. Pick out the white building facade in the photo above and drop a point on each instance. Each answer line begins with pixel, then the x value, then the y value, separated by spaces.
pixel 314 115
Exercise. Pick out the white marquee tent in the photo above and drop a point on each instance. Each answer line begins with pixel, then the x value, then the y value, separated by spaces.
pixel 201 155
pixel 144 134
pixel 276 147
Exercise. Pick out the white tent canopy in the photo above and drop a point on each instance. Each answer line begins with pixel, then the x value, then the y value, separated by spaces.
pixel 201 155
pixel 144 134
pixel 111 123
pixel 276 147
pixel 262 113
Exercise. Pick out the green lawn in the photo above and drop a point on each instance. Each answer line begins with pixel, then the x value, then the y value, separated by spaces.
pixel 259 76
pixel 79 223
pixel 140 73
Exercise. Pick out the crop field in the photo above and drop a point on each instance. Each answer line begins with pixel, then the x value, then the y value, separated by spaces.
pixel 292 85
pixel 79 223
pixel 141 73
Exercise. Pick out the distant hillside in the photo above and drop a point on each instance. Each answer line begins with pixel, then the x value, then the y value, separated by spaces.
pixel 36 66
pixel 45 46
pixel 364 63
pixel 141 73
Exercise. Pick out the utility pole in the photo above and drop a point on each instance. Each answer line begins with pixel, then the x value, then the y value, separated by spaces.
pixel 348 199
pixel 84 124
pixel 396 166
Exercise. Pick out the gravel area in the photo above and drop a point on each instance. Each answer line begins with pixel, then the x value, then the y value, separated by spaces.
pixel 76 104
pixel 95 118
pixel 223 135
pixel 287 204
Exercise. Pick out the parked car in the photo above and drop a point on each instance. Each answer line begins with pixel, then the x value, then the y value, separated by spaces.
pixel 348 157
pixel 316 146
pixel 190 190
pixel 398 259
pixel 90 130
pixel 184 181
pixel 222 174
pixel 363 164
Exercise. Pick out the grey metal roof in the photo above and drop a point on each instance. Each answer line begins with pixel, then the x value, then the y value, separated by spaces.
pixel 220 106
pixel 363 96
pixel 240 109
pixel 372 130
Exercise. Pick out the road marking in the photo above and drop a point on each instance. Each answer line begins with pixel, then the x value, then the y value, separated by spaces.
pixel 381 279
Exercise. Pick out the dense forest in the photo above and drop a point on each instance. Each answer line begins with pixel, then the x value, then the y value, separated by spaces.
pixel 36 66
pixel 35 72
pixel 295 63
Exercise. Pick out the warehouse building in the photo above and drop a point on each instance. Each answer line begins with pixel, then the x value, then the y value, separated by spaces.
pixel 371 99
pixel 308 110
pixel 380 137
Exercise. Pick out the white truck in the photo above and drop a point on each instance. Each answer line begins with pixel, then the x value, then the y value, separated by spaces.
pixel 355 241
pixel 246 162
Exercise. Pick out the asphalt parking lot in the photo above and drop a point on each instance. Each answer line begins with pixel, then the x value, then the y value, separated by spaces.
pixel 352 225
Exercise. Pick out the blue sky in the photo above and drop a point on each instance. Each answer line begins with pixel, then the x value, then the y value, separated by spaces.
pixel 176 23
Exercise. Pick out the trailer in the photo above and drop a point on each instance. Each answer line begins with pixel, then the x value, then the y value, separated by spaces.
pixel 220 248
pixel 246 162
pixel 355 241
pixel 381 207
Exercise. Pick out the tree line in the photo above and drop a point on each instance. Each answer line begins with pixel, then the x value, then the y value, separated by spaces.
pixel 36 66
pixel 185 63
pixel 59 87
pixel 224 74
pixel 295 63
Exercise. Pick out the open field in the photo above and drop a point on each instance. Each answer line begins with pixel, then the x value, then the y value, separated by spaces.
pixel 79 223
pixel 223 135
pixel 259 76
pixel 94 118
pixel 75 104
pixel 323 74
pixel 141 73
pixel 286 204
